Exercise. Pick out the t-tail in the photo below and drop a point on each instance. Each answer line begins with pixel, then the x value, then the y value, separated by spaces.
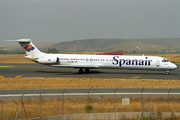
pixel 31 51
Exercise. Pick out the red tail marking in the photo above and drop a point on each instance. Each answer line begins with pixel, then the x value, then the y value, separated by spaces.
pixel 29 46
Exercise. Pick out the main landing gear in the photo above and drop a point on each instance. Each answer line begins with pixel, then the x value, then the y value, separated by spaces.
pixel 81 71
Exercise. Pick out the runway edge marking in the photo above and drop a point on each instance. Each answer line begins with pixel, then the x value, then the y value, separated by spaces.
pixel 18 76
pixel 135 77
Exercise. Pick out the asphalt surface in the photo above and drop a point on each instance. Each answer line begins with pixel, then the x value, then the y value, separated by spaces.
pixel 93 92
pixel 38 70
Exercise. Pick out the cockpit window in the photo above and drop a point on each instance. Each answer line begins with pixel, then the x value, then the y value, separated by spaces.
pixel 165 60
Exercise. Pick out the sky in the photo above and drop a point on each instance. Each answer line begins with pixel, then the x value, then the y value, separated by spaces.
pixel 53 21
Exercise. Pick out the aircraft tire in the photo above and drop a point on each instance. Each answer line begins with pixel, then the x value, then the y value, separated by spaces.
pixel 167 72
pixel 80 71
pixel 86 70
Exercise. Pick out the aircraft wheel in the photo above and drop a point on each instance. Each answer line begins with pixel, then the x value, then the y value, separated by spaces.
pixel 167 72
pixel 80 71
pixel 86 70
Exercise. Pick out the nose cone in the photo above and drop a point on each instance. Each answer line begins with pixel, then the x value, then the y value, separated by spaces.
pixel 172 66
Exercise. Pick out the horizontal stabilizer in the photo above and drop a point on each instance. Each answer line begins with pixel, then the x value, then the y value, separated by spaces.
pixel 19 40
pixel 29 47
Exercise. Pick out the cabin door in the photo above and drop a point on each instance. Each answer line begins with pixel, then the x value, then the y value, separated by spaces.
pixel 157 63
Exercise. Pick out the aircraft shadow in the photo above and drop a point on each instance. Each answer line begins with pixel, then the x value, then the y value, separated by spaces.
pixel 107 72
pixel 68 73
pixel 142 73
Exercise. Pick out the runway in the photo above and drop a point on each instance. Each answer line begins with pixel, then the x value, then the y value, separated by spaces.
pixel 37 70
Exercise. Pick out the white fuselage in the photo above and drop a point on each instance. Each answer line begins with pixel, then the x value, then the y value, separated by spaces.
pixel 110 61
pixel 95 61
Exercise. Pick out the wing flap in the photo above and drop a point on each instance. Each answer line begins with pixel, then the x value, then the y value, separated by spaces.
pixel 76 66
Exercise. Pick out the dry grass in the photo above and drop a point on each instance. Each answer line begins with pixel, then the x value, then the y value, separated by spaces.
pixel 19 58
pixel 14 58
pixel 33 83
pixel 77 106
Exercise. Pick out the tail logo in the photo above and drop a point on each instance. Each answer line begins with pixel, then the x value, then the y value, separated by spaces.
pixel 29 48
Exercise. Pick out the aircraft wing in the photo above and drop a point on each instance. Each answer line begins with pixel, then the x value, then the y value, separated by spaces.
pixel 77 66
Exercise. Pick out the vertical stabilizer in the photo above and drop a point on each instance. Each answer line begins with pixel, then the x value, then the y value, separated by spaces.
pixel 29 47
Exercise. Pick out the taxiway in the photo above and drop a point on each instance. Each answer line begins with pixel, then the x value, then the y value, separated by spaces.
pixel 37 70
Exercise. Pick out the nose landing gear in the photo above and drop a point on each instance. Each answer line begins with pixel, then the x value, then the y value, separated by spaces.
pixel 167 72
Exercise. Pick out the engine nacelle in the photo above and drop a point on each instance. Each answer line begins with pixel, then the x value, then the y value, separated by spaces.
pixel 48 60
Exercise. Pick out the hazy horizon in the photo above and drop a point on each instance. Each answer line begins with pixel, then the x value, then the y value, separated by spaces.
pixel 53 21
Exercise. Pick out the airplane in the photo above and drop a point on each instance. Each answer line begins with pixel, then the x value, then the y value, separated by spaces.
pixel 86 62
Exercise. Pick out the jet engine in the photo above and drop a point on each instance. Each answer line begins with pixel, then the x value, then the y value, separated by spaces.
pixel 48 60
